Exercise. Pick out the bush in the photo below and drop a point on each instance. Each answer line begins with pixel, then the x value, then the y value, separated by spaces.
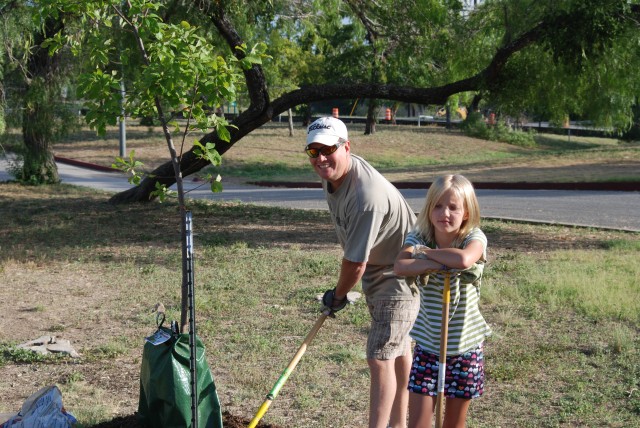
pixel 475 126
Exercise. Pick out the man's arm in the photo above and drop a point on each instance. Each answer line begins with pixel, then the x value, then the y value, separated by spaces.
pixel 350 274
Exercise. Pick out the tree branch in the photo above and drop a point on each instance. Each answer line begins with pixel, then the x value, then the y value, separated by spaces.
pixel 254 77
pixel 262 110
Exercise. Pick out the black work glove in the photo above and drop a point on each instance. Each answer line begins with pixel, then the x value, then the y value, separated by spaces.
pixel 330 302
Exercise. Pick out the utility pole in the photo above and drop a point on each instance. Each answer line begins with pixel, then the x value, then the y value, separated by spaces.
pixel 123 125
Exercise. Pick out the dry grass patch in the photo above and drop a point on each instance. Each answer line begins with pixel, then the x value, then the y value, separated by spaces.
pixel 402 153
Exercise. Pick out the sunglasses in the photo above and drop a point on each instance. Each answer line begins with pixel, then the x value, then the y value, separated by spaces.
pixel 324 151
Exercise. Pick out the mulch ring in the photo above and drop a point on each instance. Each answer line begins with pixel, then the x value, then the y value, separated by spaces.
pixel 131 421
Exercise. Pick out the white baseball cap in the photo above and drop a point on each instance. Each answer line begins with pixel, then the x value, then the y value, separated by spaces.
pixel 328 131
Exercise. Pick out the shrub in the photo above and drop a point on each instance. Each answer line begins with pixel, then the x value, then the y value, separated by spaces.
pixel 475 126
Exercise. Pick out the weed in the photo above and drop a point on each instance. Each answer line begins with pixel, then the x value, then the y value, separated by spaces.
pixel 622 339
pixel 12 354
pixel 57 328
pixel 74 377
pixel 109 350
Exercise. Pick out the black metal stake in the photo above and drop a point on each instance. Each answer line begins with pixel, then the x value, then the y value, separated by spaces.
pixel 192 320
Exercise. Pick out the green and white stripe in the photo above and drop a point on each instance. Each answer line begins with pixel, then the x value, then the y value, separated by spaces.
pixel 467 326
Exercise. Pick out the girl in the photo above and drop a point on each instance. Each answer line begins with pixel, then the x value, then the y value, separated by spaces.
pixel 446 236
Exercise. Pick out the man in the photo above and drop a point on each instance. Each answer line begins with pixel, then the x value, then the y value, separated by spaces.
pixel 371 219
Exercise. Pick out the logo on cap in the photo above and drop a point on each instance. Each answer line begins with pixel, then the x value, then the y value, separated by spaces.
pixel 315 126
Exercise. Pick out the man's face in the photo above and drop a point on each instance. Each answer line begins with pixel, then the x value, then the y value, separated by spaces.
pixel 333 167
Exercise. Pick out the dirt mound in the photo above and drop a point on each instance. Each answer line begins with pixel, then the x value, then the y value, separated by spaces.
pixel 131 421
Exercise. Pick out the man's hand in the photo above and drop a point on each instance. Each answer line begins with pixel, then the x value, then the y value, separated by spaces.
pixel 330 302
pixel 420 252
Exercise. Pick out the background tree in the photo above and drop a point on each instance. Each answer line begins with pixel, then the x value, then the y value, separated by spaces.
pixel 578 67
pixel 519 55
pixel 43 92
pixel 36 82
pixel 288 62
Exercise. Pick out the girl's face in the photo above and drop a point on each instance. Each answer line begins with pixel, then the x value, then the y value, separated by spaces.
pixel 448 213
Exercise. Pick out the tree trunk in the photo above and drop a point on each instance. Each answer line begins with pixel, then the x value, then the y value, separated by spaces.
pixel 306 119
pixel 38 118
pixel 290 123
pixel 39 165
pixel 475 103
pixel 633 133
pixel 254 117
pixel 394 111
pixel 370 127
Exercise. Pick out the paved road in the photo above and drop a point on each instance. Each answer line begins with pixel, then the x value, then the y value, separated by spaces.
pixel 600 209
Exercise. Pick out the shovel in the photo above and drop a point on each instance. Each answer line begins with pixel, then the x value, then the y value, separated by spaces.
pixel 444 332
pixel 352 296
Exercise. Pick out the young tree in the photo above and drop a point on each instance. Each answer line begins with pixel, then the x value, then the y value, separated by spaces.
pixel 180 75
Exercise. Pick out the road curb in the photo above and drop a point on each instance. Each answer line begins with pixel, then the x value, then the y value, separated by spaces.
pixel 86 165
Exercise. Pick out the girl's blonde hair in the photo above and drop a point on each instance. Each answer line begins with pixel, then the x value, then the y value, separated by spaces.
pixel 463 188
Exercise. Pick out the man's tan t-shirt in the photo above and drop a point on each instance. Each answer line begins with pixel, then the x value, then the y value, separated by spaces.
pixel 372 219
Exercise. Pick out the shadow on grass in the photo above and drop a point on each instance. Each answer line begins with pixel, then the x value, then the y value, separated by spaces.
pixel 58 221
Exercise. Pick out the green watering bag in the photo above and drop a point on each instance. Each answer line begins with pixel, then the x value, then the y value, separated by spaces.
pixel 165 384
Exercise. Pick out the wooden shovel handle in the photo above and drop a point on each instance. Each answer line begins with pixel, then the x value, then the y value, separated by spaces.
pixel 444 332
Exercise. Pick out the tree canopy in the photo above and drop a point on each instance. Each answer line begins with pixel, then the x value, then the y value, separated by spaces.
pixel 551 59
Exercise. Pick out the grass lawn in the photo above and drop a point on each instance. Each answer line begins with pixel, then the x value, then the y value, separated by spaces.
pixel 401 153
pixel 563 303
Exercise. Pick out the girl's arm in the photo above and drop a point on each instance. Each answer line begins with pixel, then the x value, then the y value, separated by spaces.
pixel 407 266
pixel 456 258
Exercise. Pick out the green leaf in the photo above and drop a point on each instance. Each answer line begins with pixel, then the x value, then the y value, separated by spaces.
pixel 216 187
pixel 161 192
pixel 223 133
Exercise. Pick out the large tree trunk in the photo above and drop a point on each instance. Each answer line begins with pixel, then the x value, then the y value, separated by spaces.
pixel 39 166
pixel 38 119
pixel 306 117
